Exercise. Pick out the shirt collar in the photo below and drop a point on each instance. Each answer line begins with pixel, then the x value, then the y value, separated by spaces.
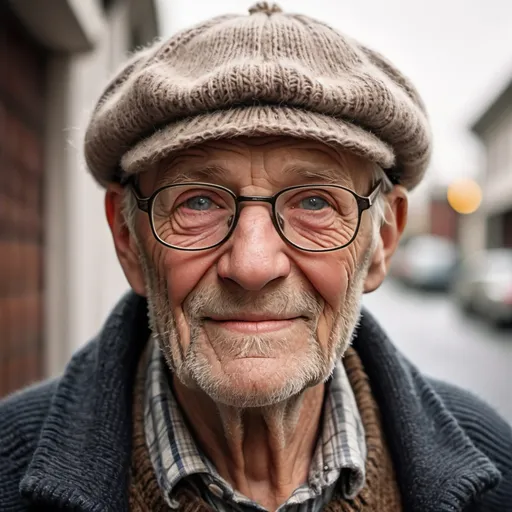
pixel 341 449
pixel 88 421
pixel 342 445
pixel 173 450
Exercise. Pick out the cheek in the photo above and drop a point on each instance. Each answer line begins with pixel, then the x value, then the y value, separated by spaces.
pixel 183 271
pixel 329 274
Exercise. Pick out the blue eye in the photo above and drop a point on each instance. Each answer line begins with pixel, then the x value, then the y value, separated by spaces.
pixel 313 203
pixel 201 203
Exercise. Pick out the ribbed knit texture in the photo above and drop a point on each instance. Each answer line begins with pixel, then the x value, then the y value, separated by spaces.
pixel 379 493
pixel 442 430
pixel 269 73
pixel 67 444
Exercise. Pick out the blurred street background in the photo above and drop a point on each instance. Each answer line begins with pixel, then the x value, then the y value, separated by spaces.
pixel 445 343
pixel 447 303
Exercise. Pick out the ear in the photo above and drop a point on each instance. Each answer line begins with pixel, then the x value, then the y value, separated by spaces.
pixel 126 248
pixel 390 233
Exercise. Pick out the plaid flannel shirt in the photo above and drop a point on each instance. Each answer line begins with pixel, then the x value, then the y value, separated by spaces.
pixel 177 459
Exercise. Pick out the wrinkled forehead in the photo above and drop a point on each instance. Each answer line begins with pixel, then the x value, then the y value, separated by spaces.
pixel 282 161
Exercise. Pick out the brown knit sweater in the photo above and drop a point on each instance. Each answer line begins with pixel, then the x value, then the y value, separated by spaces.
pixel 380 493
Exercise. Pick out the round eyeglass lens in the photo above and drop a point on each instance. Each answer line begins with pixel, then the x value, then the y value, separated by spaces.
pixel 193 217
pixel 319 218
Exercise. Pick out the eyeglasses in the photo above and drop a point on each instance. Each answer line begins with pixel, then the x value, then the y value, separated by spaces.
pixel 201 216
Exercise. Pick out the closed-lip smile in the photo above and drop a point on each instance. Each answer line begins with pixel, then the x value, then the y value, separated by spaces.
pixel 254 323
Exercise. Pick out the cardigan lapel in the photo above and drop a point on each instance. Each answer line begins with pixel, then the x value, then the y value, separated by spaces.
pixel 83 456
pixel 438 467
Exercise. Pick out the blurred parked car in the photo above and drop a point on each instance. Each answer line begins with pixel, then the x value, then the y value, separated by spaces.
pixel 483 285
pixel 426 262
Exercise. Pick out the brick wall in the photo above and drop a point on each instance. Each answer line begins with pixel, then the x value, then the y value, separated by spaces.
pixel 22 103
pixel 444 221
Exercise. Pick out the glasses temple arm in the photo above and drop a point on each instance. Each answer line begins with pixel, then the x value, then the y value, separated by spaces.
pixel 142 202
pixel 375 192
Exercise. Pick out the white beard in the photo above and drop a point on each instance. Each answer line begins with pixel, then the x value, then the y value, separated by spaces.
pixel 193 368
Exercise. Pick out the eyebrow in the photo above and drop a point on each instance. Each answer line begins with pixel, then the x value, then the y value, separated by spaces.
pixel 329 175
pixel 179 175
pixel 215 173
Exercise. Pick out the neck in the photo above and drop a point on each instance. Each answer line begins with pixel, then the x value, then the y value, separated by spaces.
pixel 264 453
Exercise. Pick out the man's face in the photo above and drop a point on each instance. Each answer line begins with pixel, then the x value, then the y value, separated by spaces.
pixel 255 321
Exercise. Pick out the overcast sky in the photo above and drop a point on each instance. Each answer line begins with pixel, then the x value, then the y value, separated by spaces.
pixel 457 52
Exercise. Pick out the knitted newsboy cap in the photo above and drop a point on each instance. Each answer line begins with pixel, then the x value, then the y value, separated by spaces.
pixel 266 73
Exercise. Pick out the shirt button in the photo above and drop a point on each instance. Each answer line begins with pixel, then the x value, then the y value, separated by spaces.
pixel 174 504
pixel 215 489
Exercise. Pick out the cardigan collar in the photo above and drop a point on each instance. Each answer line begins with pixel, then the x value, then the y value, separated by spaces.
pixel 83 456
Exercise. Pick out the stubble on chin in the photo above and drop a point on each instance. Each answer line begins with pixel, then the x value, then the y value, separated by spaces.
pixel 193 367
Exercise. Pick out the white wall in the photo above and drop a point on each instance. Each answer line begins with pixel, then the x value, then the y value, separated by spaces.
pixel 498 184
pixel 472 232
pixel 83 276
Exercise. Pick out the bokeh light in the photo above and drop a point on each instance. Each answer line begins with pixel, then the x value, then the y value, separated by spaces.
pixel 464 196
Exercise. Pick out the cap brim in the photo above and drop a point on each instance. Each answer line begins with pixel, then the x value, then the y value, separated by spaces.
pixel 256 121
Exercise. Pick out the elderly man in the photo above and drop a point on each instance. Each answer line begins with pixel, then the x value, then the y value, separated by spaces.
pixel 256 171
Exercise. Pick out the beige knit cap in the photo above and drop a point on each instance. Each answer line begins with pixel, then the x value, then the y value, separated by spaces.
pixel 267 73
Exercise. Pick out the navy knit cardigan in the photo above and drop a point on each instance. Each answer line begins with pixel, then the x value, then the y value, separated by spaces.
pixel 65 443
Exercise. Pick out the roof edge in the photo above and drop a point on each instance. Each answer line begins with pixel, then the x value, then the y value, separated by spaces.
pixel 493 110
pixel 80 23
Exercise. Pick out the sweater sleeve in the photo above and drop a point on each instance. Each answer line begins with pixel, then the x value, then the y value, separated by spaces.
pixel 21 419
pixel 490 433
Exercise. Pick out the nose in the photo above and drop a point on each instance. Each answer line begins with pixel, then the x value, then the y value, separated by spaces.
pixel 255 256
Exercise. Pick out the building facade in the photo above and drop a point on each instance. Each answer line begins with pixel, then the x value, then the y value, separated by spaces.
pixel 494 128
pixel 443 219
pixel 59 275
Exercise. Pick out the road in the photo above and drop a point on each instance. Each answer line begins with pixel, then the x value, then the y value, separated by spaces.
pixel 444 343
